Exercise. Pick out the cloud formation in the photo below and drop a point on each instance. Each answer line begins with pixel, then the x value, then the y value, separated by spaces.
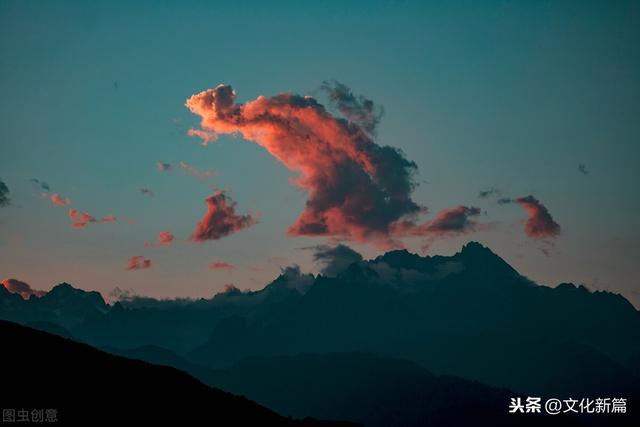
pixel 164 167
pixel 165 238
pixel 221 219
pixel 357 109
pixel 221 265
pixel 138 262
pixel 356 188
pixel 4 194
pixel 489 192
pixel 58 200
pixel 194 171
pixel 448 222
pixel 336 259
pixel 43 185
pixel 147 192
pixel 540 223
pixel 207 137
pixel 582 168
pixel 82 219
pixel 23 289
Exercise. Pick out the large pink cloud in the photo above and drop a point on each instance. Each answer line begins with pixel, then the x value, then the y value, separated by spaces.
pixel 221 219
pixel 540 224
pixel 356 188
pixel 23 289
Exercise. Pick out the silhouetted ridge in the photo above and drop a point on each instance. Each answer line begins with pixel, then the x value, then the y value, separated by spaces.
pixel 86 385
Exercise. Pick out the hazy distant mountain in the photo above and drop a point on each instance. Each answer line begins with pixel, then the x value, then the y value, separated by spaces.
pixel 63 305
pixel 87 386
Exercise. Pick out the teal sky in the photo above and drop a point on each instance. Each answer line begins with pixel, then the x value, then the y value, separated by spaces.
pixel 512 95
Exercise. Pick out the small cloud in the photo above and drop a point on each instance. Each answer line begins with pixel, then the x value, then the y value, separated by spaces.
pixel 147 192
pixel 164 167
pixel 582 168
pixel 58 200
pixel 206 136
pixel 109 219
pixel 82 219
pixel 221 265
pixel 194 171
pixel 540 223
pixel 138 262
pixel 165 238
pixel 221 219
pixel 489 192
pixel 5 200
pixel 504 200
pixel 23 289
pixel 43 185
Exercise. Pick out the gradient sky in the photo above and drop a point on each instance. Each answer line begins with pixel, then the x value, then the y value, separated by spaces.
pixel 511 95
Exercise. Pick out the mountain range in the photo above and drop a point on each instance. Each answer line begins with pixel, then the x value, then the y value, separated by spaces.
pixel 466 328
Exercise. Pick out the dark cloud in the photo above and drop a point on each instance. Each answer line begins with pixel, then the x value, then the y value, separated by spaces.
pixel 448 222
pixel 583 169
pixel 128 298
pixel 356 188
pixel 357 109
pixel 221 219
pixel 455 220
pixel 336 259
pixel 540 223
pixel 504 200
pixel 43 185
pixel 147 192
pixel 5 200
pixel 164 167
pixel 23 289
pixel 489 192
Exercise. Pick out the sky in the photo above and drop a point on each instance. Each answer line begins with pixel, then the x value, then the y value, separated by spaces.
pixel 538 100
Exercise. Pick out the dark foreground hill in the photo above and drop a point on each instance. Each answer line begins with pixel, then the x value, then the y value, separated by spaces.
pixel 88 387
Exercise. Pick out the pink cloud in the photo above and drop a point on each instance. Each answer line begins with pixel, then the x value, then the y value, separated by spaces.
pixel 138 262
pixel 221 265
pixel 221 219
pixel 23 289
pixel 356 188
pixel 207 137
pixel 540 224
pixel 58 200
pixel 82 219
